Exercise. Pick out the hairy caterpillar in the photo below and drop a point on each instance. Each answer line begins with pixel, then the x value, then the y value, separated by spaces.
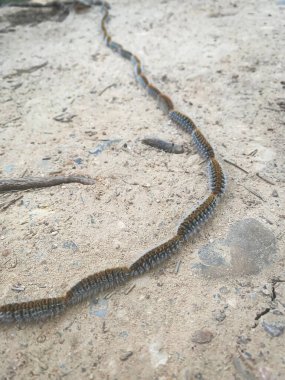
pixel 114 277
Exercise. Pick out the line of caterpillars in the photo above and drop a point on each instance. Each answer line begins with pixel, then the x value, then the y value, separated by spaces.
pixel 111 278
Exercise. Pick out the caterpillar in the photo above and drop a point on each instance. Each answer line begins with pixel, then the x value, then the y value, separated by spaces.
pixel 113 277
pixel 197 217
pixel 32 310
pixel 217 177
pixel 155 256
pixel 183 121
pixel 96 283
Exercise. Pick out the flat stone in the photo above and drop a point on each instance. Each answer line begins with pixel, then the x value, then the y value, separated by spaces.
pixel 125 355
pixel 274 329
pixel 69 244
pixel 248 248
pixel 202 336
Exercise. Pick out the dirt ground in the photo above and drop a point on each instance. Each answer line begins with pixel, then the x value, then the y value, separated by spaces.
pixel 69 105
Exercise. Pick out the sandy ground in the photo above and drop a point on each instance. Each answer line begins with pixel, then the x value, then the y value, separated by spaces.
pixel 216 310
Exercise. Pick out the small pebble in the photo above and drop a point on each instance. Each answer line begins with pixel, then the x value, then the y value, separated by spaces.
pixel 69 244
pixel 125 355
pixel 78 161
pixel 224 290
pixel 243 339
pixel 219 315
pixel 5 252
pixel 274 329
pixel 41 338
pixel 18 288
pixel 274 193
pixel 202 336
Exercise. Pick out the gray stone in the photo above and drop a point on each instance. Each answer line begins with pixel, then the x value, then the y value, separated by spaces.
pixel 274 193
pixel 125 355
pixel 274 329
pixel 69 244
pixel 202 336
pixel 247 249
pixel 219 315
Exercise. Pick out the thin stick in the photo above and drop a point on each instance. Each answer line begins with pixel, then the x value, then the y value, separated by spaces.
pixel 236 166
pixel 106 88
pixel 265 179
pixel 253 153
pixel 130 289
pixel 177 266
pixel 36 182
pixel 7 205
pixel 26 71
pixel 255 193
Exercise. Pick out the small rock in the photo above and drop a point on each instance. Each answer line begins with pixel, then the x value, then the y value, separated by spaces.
pixel 266 290
pixel 6 252
pixel 275 194
pixel 274 329
pixel 224 290
pixel 202 336
pixel 243 339
pixel 41 338
pixel 125 355
pixel 18 288
pixel 78 161
pixel 164 78
pixel 219 315
pixel 69 244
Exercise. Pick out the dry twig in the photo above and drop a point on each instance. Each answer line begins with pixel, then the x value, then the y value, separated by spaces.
pixel 36 182
pixel 236 166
